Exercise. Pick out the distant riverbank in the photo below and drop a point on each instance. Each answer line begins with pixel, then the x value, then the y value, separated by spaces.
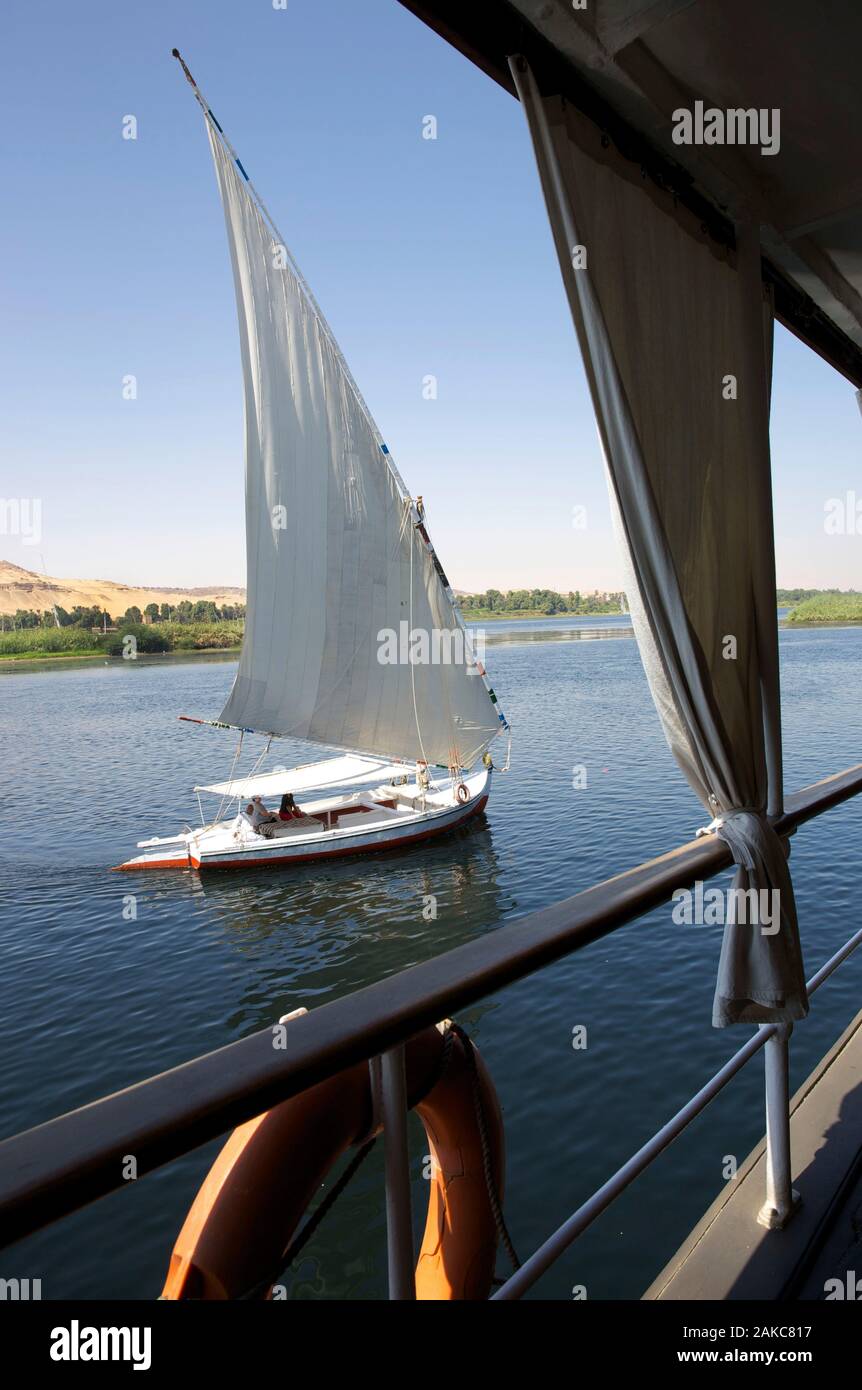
pixel 61 658
pixel 80 643
pixel 26 646
pixel 828 608
pixel 821 608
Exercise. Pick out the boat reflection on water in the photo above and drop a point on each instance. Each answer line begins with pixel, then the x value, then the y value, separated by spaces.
pixel 520 634
pixel 313 933
pixel 316 932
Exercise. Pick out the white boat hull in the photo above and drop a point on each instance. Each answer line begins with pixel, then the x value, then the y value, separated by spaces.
pixel 364 823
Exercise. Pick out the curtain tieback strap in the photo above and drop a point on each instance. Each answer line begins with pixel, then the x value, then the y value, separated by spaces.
pixel 718 821
pixel 749 834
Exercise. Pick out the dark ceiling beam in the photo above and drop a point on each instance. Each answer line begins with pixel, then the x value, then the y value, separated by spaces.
pixel 488 31
pixel 812 215
pixel 616 34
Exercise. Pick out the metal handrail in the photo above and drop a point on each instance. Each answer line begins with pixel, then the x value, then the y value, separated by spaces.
pixel 551 1249
pixel 56 1168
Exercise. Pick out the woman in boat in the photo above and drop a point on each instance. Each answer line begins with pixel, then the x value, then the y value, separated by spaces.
pixel 288 810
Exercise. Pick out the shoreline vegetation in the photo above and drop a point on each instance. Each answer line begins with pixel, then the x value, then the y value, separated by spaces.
pixel 38 644
pixel 806 605
pixel 828 606
pixel 202 627
pixel 31 635
pixel 495 606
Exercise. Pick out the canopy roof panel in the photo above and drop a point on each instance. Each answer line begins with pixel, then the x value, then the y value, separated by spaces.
pixel 330 772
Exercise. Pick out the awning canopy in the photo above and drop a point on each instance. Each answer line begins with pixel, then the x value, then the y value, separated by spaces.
pixel 628 65
pixel 331 772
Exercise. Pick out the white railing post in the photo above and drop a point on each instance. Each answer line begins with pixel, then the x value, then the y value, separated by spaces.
pixel 781 1200
pixel 399 1216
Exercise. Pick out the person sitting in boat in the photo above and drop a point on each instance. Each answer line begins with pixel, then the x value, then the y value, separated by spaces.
pixel 288 810
pixel 259 817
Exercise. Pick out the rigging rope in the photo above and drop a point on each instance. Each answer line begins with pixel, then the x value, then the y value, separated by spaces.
pixel 221 804
pixel 412 664
pixel 311 1224
pixel 490 1184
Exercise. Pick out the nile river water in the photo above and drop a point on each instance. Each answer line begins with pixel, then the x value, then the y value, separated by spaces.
pixel 92 1000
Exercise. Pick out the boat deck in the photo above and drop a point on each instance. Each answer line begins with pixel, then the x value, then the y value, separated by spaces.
pixel 364 810
pixel 729 1256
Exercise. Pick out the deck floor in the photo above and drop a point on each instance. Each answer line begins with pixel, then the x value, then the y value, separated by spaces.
pixel 729 1256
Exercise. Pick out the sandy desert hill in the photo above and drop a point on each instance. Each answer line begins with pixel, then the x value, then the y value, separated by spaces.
pixel 20 588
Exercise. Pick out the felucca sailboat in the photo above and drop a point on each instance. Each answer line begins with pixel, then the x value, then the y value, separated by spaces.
pixel 353 638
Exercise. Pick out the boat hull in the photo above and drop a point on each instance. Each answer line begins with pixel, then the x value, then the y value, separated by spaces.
pixel 220 848
pixel 368 842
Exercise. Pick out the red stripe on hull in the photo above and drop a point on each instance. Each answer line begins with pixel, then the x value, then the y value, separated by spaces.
pixel 131 866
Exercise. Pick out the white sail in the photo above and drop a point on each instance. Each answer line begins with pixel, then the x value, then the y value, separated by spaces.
pixel 343 584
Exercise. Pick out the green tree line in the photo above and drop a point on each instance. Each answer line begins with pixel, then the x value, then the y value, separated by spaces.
pixel 545 601
pixel 793 596
pixel 204 611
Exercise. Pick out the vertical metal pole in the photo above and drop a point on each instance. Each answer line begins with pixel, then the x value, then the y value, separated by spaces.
pixel 781 1200
pixel 399 1218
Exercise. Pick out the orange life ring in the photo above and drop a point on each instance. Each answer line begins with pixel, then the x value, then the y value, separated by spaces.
pixel 254 1196
pixel 466 796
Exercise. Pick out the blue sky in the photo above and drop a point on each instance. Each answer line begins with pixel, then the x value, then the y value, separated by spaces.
pixel 428 257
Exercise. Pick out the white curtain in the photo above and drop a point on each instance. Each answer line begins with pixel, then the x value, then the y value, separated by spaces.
pixel 676 340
